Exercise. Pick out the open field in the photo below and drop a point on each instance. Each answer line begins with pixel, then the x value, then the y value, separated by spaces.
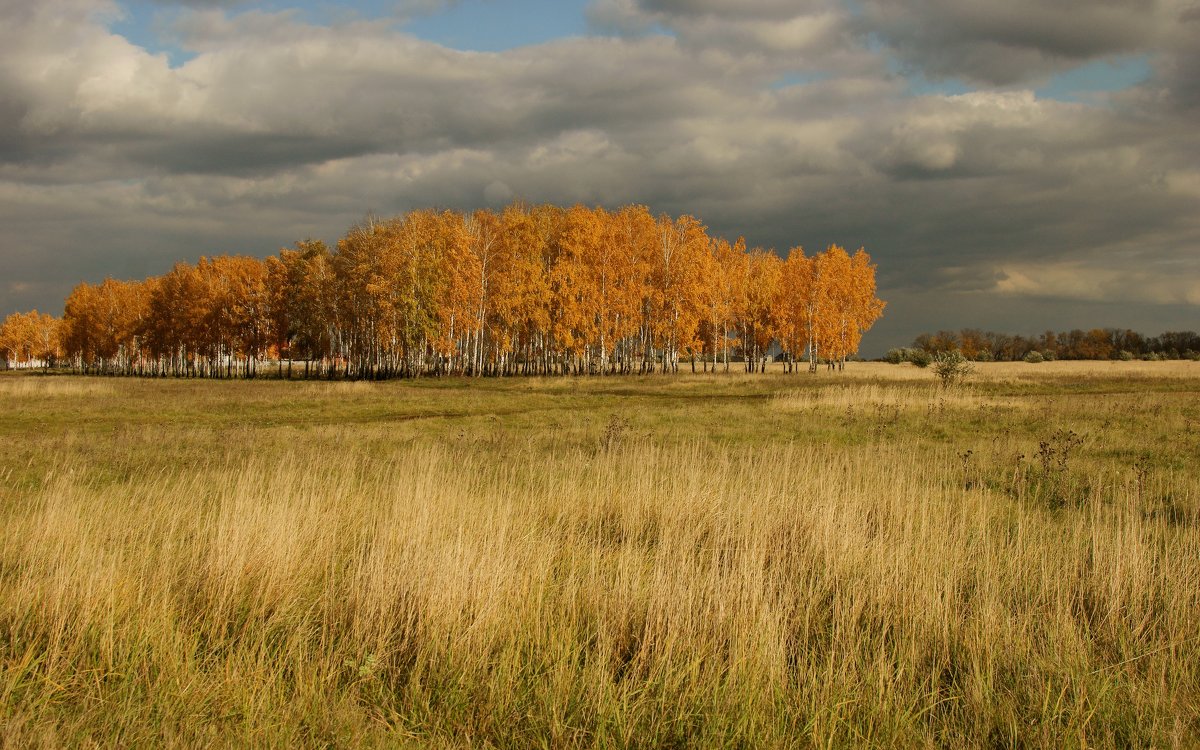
pixel 846 560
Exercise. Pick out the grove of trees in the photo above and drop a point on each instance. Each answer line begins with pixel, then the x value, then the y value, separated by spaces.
pixel 1096 343
pixel 526 290
pixel 30 339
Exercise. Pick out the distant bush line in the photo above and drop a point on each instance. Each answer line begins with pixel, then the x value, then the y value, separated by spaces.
pixel 1097 343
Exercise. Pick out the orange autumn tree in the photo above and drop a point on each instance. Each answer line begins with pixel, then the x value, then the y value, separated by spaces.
pixel 848 305
pixel 599 279
pixel 824 304
pixel 482 272
pixel 30 339
pixel 759 281
pixel 633 233
pixel 793 308
pixel 833 299
pixel 622 271
pixel 677 296
pixel 104 326
pixel 519 315
pixel 175 330
pixel 576 297
pixel 457 282
pixel 237 319
pixel 302 304
pixel 15 339
pixel 721 279
pixel 863 308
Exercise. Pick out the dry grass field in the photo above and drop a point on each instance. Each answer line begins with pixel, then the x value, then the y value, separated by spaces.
pixel 841 560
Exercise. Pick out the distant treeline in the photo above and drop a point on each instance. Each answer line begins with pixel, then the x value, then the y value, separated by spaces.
pixel 1097 343
pixel 527 290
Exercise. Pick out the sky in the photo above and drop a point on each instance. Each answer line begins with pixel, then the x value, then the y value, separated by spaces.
pixel 1012 166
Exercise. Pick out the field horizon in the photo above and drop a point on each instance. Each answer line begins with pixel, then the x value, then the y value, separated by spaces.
pixel 864 558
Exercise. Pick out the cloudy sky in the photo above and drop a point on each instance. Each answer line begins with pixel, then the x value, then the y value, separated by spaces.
pixel 1011 165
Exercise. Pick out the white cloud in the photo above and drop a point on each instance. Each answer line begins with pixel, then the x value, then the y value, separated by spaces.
pixel 1087 282
pixel 1185 182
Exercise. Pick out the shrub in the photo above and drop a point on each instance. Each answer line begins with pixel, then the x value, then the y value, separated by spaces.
pixel 920 357
pixel 1034 357
pixel 1125 356
pixel 894 356
pixel 1048 355
pixel 952 367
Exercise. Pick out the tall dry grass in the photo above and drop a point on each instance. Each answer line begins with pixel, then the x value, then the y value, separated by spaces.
pixel 34 386
pixel 641 595
pixel 883 394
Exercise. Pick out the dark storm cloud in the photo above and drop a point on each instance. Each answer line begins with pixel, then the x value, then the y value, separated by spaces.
pixel 1179 65
pixel 1002 43
pixel 815 34
pixel 979 41
pixel 113 161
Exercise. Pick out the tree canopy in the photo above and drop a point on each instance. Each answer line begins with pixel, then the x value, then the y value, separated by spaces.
pixel 531 289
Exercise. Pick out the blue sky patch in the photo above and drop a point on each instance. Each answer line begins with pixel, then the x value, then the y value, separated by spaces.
pixel 1097 77
pixel 494 26
pixel 478 25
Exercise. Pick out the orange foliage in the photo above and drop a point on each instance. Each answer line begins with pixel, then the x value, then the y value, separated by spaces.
pixel 30 339
pixel 531 289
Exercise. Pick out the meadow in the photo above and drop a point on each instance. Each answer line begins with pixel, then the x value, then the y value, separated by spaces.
pixel 857 559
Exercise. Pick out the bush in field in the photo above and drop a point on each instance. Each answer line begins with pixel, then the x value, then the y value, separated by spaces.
pixel 1034 357
pixel 918 357
pixel 952 367
pixel 1125 356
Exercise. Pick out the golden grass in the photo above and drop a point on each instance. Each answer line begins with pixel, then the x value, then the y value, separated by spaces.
pixel 874 590
pixel 339 387
pixel 857 396
pixel 32 386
